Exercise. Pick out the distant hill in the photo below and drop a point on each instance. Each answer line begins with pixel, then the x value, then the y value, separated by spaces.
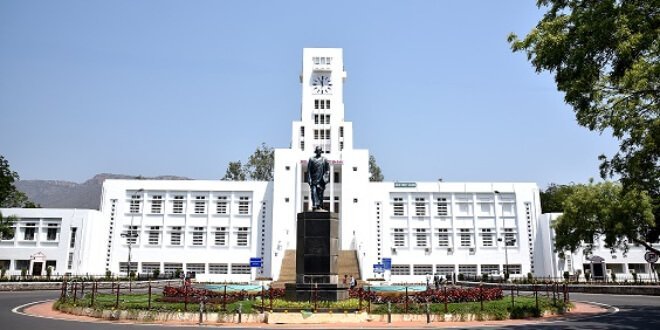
pixel 65 194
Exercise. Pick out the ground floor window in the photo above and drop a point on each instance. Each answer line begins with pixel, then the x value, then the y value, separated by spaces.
pixel 446 270
pixel 123 267
pixel 196 268
pixel 218 269
pixel 637 268
pixel 400 269
pixel 467 269
pixel 171 268
pixel 490 269
pixel 149 267
pixel 615 268
pixel 514 269
pixel 422 269
pixel 240 268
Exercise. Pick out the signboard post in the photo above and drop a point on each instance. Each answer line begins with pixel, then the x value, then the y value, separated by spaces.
pixel 254 263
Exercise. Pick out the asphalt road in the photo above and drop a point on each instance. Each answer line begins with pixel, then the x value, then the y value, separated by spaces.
pixel 634 312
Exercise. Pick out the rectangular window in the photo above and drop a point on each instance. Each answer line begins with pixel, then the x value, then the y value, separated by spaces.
pixel 327 120
pixel 30 228
pixel 466 238
pixel 69 261
pixel 171 268
pixel 316 134
pixel 154 235
pixel 422 269
pixel 131 234
pixel 464 209
pixel 221 236
pixel 443 208
pixel 467 269
pixel 156 204
pixel 510 236
pixel 637 268
pixel 175 236
pixel 196 268
pixel 135 204
pixel 177 204
pixel 341 131
pixel 302 131
pixel 399 237
pixel 421 238
pixel 149 267
pixel 244 205
pixel 420 206
pixel 398 207
pixel 52 232
pixel 490 269
pixel 218 269
pixel 400 270
pixel 327 103
pixel 221 205
pixel 486 237
pixel 25 264
pixel 327 134
pixel 72 239
pixel 515 269
pixel 123 267
pixel 446 270
pixel 200 204
pixel 240 268
pixel 322 119
pixel 443 237
pixel 198 236
pixel 242 236
pixel 317 104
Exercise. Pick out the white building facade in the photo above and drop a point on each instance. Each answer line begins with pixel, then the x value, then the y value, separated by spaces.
pixel 214 228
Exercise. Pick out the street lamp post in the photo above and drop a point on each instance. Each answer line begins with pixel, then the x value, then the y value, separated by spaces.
pixel 506 255
pixel 130 236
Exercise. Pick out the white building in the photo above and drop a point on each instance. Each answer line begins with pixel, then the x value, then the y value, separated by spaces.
pixel 214 228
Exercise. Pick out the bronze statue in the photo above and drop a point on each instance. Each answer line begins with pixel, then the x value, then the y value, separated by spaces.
pixel 318 175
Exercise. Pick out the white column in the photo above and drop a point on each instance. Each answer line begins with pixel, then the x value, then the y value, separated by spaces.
pixel 332 187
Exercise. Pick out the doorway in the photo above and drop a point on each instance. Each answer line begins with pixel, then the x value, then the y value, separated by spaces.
pixel 37 267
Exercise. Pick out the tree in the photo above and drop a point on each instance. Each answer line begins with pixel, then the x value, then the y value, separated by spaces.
pixel 261 163
pixel 9 196
pixel 605 56
pixel 7 226
pixel 604 210
pixel 552 199
pixel 259 166
pixel 374 170
pixel 235 172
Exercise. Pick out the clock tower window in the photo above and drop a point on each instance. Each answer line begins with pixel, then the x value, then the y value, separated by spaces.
pixel 321 104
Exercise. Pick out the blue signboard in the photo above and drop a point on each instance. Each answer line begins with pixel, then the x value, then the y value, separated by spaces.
pixel 378 269
pixel 255 262
pixel 387 263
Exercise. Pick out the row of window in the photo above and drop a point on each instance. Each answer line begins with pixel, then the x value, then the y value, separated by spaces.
pixel 32 232
pixel 20 264
pixel 199 204
pixel 421 207
pixel 444 237
pixel 198 268
pixel 198 236
pixel 322 60
pixel 449 270
pixel 322 105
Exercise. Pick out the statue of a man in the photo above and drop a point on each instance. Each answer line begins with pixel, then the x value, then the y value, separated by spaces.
pixel 318 175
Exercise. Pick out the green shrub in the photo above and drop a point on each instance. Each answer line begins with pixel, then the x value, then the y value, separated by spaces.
pixel 484 277
pixel 566 276
pixel 461 277
pixel 156 273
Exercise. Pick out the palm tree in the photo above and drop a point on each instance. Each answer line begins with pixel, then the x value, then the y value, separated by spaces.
pixel 7 226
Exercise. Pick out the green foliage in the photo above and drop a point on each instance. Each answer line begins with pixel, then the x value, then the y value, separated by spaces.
pixel 604 56
pixel 7 226
pixel 9 196
pixel 376 175
pixel 259 166
pixel 3 271
pixel 261 163
pixel 156 273
pixel 49 272
pixel 553 197
pixel 235 172
pixel 24 272
pixel 604 210
pixel 567 275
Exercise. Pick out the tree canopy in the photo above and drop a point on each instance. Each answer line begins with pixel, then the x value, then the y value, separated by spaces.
pixel 553 197
pixel 605 57
pixel 9 195
pixel 604 210
pixel 374 170
pixel 259 166
pixel 6 226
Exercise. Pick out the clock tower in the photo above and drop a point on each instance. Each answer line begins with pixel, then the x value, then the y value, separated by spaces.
pixel 321 124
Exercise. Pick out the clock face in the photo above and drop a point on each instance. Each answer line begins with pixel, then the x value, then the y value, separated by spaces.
pixel 321 84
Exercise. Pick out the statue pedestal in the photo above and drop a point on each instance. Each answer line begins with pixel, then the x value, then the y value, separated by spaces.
pixel 317 252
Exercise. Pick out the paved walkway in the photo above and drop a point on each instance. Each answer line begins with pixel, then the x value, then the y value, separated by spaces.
pixel 580 310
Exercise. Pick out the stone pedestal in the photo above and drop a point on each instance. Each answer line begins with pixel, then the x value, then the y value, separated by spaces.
pixel 317 252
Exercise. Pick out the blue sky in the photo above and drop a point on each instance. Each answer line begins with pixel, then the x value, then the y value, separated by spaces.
pixel 183 87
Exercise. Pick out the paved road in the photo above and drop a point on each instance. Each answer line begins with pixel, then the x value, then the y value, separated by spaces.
pixel 635 312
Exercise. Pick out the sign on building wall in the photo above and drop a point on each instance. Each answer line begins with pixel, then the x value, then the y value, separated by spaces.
pixel 405 184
